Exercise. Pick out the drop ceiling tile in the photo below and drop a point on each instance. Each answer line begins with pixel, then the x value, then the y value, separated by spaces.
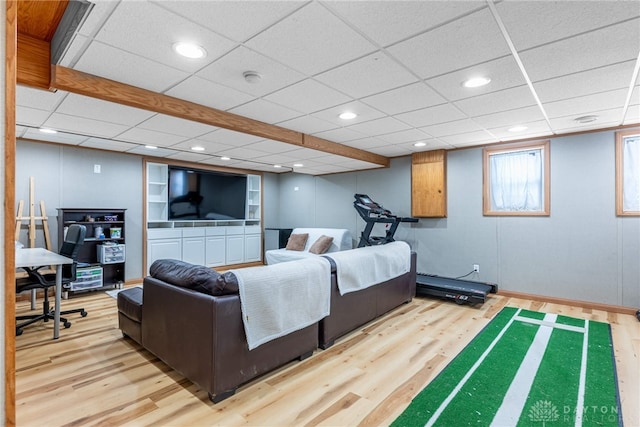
pixel 470 138
pixel 509 118
pixel 633 115
pixel 533 23
pixel 379 126
pixel 308 96
pixel 272 147
pixel 217 161
pixel 97 109
pixel 307 124
pixel 495 102
pixel 99 13
pixel 534 129
pixel 409 17
pixel 606 118
pixel 265 111
pixel 146 136
pixel 432 144
pixel 391 151
pixel 588 104
pixel 176 126
pixel 363 111
pixel 602 79
pixel 452 128
pixel 311 40
pixel 124 67
pixel 158 152
pixel 618 43
pixel 284 159
pixel 305 153
pixel 208 93
pixel 407 98
pixel 230 68
pixel 340 135
pixel 149 31
pixel 431 116
pixel 188 156
pixel 470 40
pixel 60 137
pixel 209 147
pixel 20 130
pixel 504 73
pixel 243 153
pixel 30 116
pixel 76 47
pixel 84 126
pixel 38 98
pixel 367 143
pixel 237 20
pixel 108 144
pixel 366 76
pixel 230 137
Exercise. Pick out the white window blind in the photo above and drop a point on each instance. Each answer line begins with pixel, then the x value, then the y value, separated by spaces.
pixel 631 173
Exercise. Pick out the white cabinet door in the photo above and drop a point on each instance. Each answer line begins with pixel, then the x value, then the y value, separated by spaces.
pixel 252 247
pixel 215 250
pixel 163 248
pixel 193 250
pixel 235 249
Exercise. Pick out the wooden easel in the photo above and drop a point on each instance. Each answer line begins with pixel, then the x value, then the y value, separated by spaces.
pixel 32 218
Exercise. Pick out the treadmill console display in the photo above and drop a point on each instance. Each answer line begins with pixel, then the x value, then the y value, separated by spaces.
pixel 373 213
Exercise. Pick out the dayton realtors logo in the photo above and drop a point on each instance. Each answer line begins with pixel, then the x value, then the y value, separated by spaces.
pixel 545 412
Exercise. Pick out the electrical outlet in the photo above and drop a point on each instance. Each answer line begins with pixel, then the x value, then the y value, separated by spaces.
pixel 476 268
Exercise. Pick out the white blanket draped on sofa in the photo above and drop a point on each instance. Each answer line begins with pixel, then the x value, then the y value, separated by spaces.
pixel 281 298
pixel 363 267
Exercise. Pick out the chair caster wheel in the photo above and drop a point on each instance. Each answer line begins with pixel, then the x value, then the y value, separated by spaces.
pixel 67 324
pixel 83 313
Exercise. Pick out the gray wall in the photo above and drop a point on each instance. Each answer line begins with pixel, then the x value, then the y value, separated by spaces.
pixel 582 251
pixel 64 178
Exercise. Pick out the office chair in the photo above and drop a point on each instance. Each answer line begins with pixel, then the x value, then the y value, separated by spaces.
pixel 73 240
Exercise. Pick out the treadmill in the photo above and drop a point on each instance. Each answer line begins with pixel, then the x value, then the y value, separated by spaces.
pixel 458 290
pixel 374 213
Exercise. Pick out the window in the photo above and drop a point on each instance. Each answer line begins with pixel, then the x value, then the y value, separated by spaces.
pixel 628 173
pixel 516 179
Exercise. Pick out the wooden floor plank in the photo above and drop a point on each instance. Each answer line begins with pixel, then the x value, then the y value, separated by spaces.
pixel 94 376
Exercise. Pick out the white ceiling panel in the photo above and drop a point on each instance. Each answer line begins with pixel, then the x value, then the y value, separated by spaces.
pixel 130 26
pixel 97 109
pixel 409 17
pixel 302 41
pixel 534 23
pixel 237 20
pixel 230 68
pixel 60 137
pixel 618 43
pixel 407 98
pixel 367 76
pixel 319 58
pixel 308 96
pixel 207 93
pixel 459 44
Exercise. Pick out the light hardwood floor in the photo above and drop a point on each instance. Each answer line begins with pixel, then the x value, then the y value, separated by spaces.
pixel 92 376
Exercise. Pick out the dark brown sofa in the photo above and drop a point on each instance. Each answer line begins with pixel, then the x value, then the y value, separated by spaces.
pixel 202 335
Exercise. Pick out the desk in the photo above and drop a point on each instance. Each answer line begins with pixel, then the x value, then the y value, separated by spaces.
pixel 35 257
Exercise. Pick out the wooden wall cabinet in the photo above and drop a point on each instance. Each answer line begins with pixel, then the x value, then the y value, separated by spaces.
pixel 429 184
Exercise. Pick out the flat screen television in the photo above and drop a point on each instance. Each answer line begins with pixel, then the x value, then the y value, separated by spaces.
pixel 196 194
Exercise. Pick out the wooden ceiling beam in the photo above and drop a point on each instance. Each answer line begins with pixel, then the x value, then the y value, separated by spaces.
pixel 81 83
pixel 33 62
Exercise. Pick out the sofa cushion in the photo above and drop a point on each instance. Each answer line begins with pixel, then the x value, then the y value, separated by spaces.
pixel 196 277
pixel 321 245
pixel 297 242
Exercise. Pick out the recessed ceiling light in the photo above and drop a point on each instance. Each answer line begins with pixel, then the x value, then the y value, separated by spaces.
pixel 298 165
pixel 476 82
pixel 189 50
pixel 150 147
pixel 197 148
pixel 586 119
pixel 419 144
pixel 44 130
pixel 277 166
pixel 348 115
pixel 225 158
pixel 518 128
pixel 252 77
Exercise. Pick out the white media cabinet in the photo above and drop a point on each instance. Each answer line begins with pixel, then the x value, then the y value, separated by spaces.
pixel 212 243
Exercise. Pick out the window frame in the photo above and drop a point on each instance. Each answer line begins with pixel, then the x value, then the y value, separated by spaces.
pixel 620 137
pixel 487 152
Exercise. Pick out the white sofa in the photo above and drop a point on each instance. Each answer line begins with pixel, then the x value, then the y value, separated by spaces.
pixel 341 241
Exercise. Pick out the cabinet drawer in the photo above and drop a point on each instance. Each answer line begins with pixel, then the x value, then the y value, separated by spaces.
pixel 110 254
pixel 163 233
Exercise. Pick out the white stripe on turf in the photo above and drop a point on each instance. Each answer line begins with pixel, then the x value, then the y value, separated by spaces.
pixel 583 374
pixel 509 411
pixel 553 325
pixel 466 377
